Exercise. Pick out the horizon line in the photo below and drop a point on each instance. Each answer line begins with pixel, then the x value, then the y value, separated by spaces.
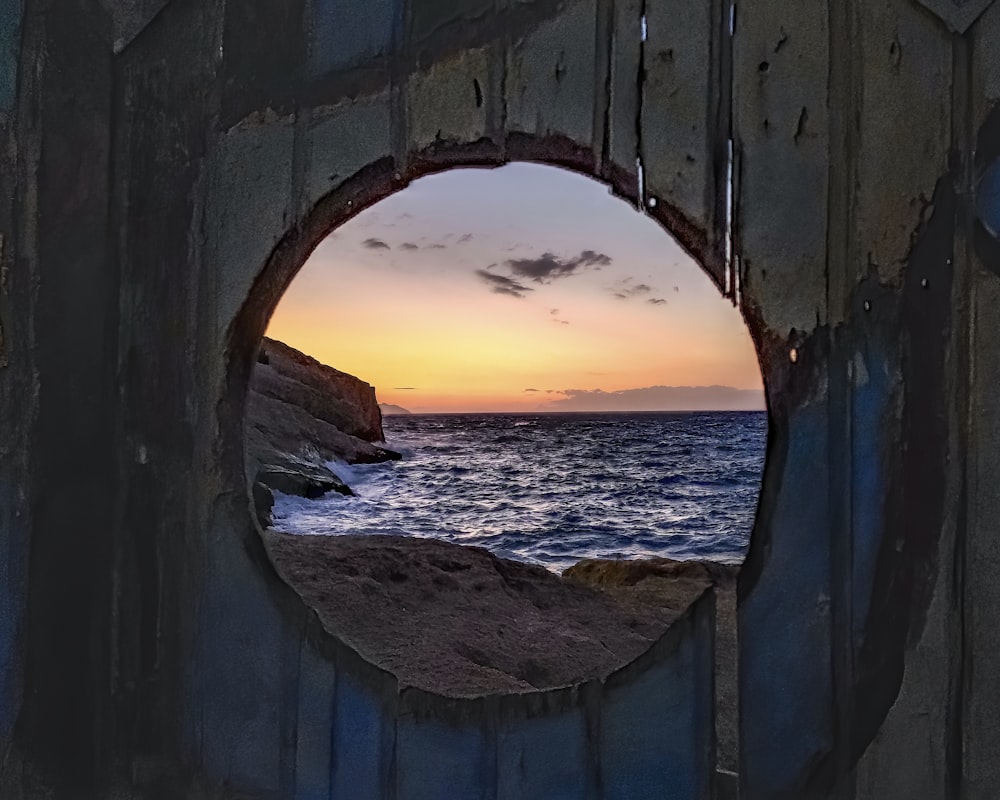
pixel 586 411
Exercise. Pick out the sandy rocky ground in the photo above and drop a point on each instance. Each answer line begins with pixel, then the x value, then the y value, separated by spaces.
pixel 448 618
pixel 462 622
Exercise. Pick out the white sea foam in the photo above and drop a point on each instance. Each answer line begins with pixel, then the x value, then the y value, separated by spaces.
pixel 568 486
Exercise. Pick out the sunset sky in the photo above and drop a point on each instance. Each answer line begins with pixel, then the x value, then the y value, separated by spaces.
pixel 525 288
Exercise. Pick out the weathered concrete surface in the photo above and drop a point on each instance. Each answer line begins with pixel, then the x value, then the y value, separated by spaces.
pixel 18 396
pixel 684 124
pixel 664 584
pixel 10 32
pixel 156 201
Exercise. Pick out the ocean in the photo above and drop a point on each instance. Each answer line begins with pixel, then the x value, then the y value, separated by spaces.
pixel 555 488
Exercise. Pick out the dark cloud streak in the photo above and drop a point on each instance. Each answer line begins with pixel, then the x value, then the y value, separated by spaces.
pixel 549 267
pixel 624 290
pixel 501 284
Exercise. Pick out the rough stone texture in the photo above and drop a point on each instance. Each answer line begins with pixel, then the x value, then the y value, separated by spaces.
pixel 300 415
pixel 277 426
pixel 251 212
pixel 899 181
pixel 345 138
pixel 447 102
pixel 621 138
pixel 550 85
pixel 348 403
pixel 461 622
pixel 781 135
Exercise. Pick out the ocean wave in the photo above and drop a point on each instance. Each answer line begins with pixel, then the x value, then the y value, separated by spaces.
pixel 553 489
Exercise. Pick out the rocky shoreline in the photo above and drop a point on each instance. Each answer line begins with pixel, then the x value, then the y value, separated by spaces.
pixel 452 619
pixel 300 416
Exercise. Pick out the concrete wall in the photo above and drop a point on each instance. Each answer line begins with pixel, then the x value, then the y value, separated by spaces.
pixel 168 165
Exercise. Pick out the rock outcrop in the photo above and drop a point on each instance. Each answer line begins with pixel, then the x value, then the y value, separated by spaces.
pixel 460 621
pixel 300 415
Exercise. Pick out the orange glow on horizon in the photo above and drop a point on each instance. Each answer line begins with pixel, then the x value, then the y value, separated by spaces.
pixel 409 304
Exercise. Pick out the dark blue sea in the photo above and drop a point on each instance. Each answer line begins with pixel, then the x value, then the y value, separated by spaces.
pixel 555 488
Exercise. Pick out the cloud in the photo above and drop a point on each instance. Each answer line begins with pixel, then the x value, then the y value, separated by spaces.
pixel 501 284
pixel 409 246
pixel 465 238
pixel 438 246
pixel 656 301
pixel 553 311
pixel 548 266
pixel 404 388
pixel 561 321
pixel 591 259
pixel 375 244
pixel 661 398
pixel 676 288
pixel 625 289
pixel 531 390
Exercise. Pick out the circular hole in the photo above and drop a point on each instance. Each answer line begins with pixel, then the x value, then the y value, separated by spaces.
pixel 765 66
pixel 487 479
pixel 568 281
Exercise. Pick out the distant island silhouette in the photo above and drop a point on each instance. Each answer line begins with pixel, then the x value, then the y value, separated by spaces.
pixel 660 398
